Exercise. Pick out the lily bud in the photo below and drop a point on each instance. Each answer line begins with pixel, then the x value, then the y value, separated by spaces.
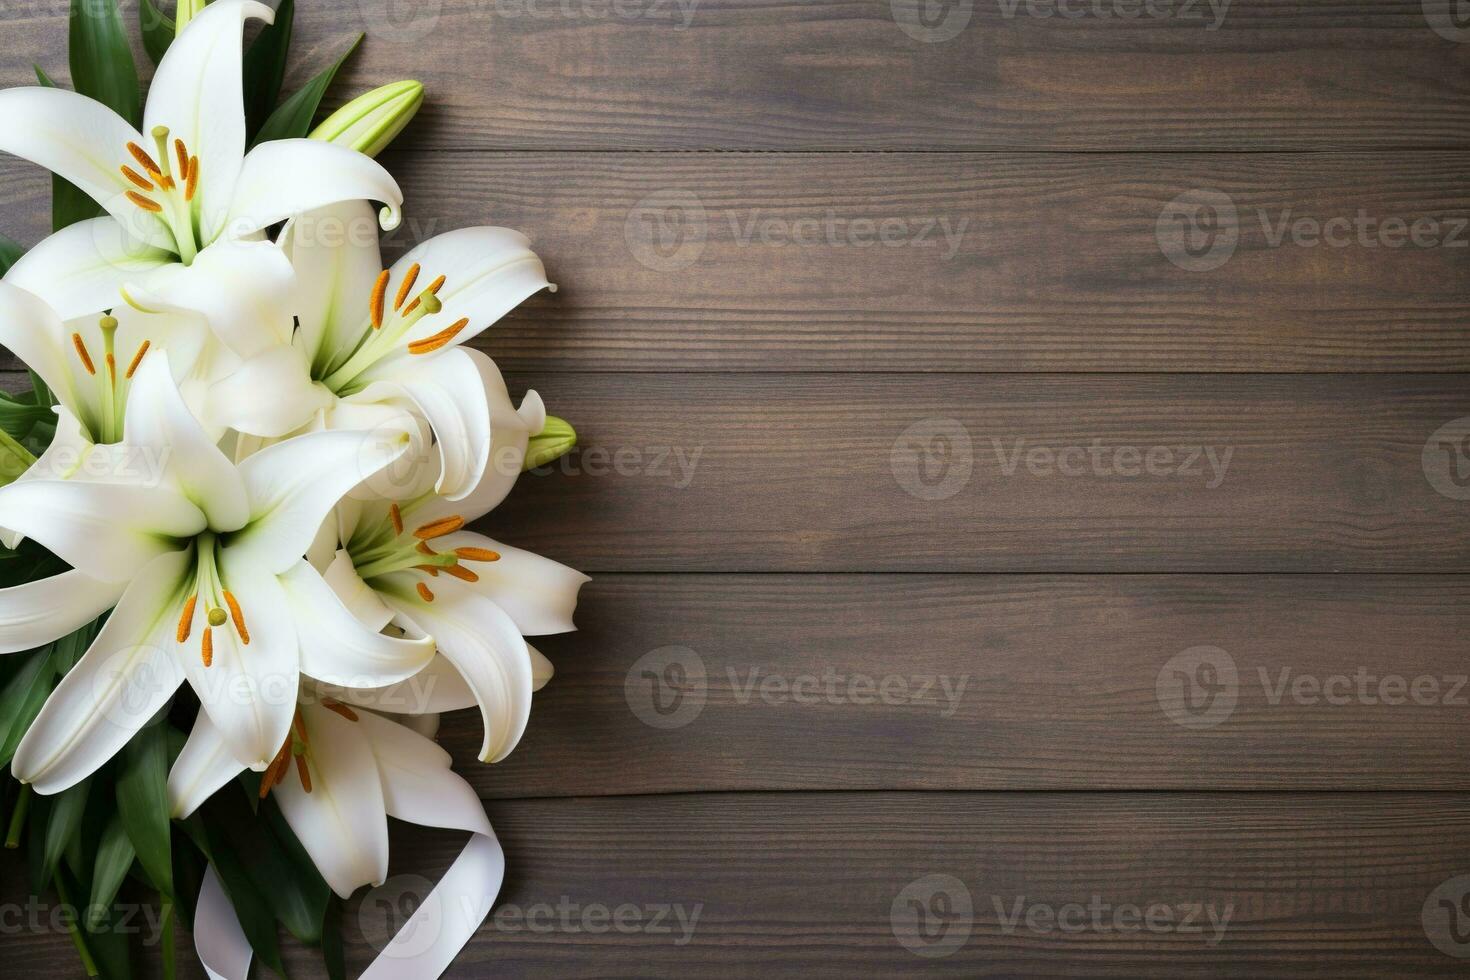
pixel 15 459
pixel 369 122
pixel 186 11
pixel 550 444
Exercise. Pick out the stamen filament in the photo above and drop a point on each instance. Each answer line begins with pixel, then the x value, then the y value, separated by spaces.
pixel 408 280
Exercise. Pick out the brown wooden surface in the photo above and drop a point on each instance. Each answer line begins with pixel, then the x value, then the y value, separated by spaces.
pixel 1021 682
pixel 998 262
pixel 800 473
pixel 788 373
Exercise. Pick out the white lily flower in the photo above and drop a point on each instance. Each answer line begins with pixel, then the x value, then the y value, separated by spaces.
pixel 204 563
pixel 185 202
pixel 411 563
pixel 352 770
pixel 88 363
pixel 375 343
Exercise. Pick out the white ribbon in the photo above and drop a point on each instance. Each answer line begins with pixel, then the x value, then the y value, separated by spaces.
pixel 425 946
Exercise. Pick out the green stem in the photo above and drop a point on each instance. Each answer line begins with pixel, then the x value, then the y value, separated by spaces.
pixel 88 963
pixel 167 905
pixel 18 818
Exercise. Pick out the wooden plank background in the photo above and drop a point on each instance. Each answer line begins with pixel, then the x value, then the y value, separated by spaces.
pixel 851 654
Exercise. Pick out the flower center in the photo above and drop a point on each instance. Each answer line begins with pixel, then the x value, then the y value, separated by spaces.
pixel 166 188
pixel 209 588
pixel 391 325
pixel 106 426
pixel 395 548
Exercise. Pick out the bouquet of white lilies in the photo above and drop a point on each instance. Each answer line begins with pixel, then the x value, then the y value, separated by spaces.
pixel 237 584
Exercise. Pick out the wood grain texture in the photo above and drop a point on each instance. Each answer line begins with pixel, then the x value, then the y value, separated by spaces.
pixel 828 473
pixel 842 74
pixel 803 884
pixel 916 682
pixel 993 262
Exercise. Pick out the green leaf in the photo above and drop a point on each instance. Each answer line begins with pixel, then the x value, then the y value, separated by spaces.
pixel 68 203
pixel 101 61
pixel 67 808
pixel 157 28
pixel 332 953
pixel 251 907
pixel 41 392
pixel 142 802
pixel 278 868
pixel 292 118
pixel 265 66
pixel 22 698
pixel 10 253
pixel 114 857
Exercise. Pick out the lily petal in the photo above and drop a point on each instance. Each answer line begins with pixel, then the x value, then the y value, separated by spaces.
pixel 334 251
pixel 108 530
pixel 487 273
pixel 292 485
pixel 67 453
pixel 284 178
pixel 240 287
pixel 359 598
pixel 437 688
pixel 541 669
pixel 448 391
pixel 250 687
pixel 49 608
pixel 342 822
pixel 81 269
pixel 269 395
pixel 32 330
pixel 196 94
pixel 537 593
pixel 336 647
pixel 485 646
pixel 125 676
pixel 83 141
pixel 204 766
pixel 157 419
pixel 418 785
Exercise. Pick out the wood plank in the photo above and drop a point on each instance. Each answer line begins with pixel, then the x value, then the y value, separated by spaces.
pixel 998 262
pixel 678 683
pixel 808 472
pixel 1315 885
pixel 842 74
